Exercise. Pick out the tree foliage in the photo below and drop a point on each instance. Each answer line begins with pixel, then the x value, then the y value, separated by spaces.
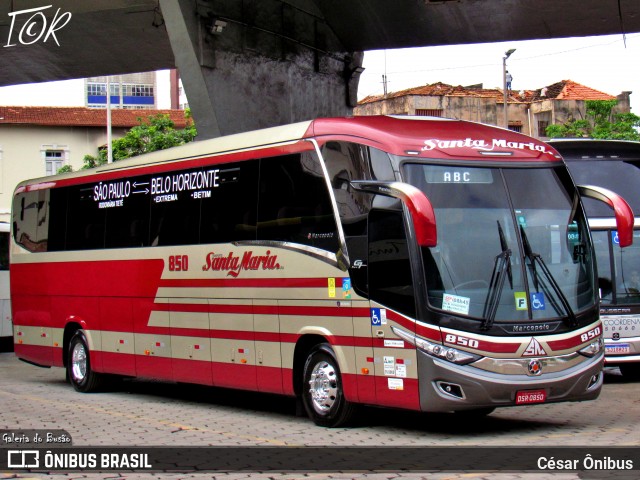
pixel 156 133
pixel 599 123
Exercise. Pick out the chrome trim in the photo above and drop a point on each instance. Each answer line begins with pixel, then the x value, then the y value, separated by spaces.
pixel 336 213
pixel 609 359
pixel 406 336
pixel 512 366
pixel 308 250
pixel 520 366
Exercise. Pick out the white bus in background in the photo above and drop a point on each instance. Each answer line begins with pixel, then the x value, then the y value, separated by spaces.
pixel 612 164
pixel 6 327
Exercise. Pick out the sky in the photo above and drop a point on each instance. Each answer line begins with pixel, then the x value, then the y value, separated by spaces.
pixel 604 63
pixel 610 64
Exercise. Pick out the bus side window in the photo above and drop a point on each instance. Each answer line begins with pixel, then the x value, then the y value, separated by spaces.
pixel 390 280
pixel 31 220
pixel 86 226
pixel 229 214
pixel 294 203
pixel 128 224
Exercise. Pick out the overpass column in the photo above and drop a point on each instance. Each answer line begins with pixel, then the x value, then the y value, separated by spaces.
pixel 250 65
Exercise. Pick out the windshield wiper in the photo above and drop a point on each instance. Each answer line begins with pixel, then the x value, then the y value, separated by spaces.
pixel 501 266
pixel 536 258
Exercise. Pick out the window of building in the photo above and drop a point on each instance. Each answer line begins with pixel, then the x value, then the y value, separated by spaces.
pixel 542 127
pixel 96 89
pixel 137 90
pixel 429 112
pixel 53 160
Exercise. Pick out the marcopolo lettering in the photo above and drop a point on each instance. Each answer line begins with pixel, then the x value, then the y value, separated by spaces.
pixel 233 264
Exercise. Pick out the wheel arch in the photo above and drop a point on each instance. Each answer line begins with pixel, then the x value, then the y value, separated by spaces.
pixel 304 345
pixel 70 330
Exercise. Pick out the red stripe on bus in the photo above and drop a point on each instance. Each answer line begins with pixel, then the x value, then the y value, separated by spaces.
pixel 249 282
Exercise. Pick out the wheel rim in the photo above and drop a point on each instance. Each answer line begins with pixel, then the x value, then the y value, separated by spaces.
pixel 323 387
pixel 79 362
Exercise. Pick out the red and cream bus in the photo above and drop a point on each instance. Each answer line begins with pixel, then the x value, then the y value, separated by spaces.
pixel 425 264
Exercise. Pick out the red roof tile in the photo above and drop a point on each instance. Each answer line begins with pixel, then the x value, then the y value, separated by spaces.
pixel 564 90
pixel 82 116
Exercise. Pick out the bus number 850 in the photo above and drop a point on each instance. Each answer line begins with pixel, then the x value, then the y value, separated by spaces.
pixel 178 263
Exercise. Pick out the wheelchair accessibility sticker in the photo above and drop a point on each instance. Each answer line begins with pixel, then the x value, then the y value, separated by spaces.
pixel 378 317
pixel 614 237
pixel 537 301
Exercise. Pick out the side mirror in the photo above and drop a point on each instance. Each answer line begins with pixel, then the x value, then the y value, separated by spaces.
pixel 624 214
pixel 419 206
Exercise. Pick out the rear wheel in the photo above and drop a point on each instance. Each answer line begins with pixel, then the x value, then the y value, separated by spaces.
pixel 323 393
pixel 79 371
pixel 630 371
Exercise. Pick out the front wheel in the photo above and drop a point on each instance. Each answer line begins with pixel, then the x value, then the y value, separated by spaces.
pixel 79 371
pixel 323 393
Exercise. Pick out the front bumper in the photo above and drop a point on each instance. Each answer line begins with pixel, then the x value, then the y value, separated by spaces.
pixel 446 386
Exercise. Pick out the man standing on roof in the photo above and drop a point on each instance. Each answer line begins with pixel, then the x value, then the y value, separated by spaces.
pixel 509 78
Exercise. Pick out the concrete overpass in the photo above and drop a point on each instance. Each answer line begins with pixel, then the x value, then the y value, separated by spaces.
pixel 249 64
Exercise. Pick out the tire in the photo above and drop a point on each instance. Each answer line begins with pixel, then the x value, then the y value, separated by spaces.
pixel 79 371
pixel 322 390
pixel 630 371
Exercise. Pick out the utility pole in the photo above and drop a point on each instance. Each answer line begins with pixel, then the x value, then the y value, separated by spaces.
pixel 507 54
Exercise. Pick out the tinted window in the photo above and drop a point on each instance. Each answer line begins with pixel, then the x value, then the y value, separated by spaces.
pixel 294 203
pixel 390 280
pixel 229 213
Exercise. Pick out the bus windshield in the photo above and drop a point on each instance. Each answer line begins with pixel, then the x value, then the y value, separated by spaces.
pixel 513 244
pixel 621 176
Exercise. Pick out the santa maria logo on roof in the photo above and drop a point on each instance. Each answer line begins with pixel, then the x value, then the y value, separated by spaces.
pixel 482 144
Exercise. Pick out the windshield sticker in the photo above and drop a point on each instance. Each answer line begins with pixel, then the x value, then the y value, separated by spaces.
pixel 537 301
pixel 456 304
pixel 614 237
pixel 521 300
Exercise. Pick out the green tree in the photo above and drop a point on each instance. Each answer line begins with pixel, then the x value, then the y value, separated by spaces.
pixel 599 123
pixel 156 133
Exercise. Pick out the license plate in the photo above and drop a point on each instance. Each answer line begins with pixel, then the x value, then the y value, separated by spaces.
pixel 618 348
pixel 525 397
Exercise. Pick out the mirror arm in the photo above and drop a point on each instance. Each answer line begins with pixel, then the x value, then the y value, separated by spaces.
pixel 624 214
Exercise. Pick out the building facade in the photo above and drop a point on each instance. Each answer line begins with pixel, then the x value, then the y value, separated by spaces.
pixel 37 141
pixel 528 111
pixel 130 91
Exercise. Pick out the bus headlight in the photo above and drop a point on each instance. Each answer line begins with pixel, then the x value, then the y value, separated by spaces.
pixel 449 354
pixel 593 349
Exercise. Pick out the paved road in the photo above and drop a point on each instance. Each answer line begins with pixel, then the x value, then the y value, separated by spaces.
pixel 135 413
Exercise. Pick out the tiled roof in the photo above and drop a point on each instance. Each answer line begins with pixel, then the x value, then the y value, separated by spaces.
pixel 574 91
pixel 82 116
pixel 439 90
pixel 564 90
